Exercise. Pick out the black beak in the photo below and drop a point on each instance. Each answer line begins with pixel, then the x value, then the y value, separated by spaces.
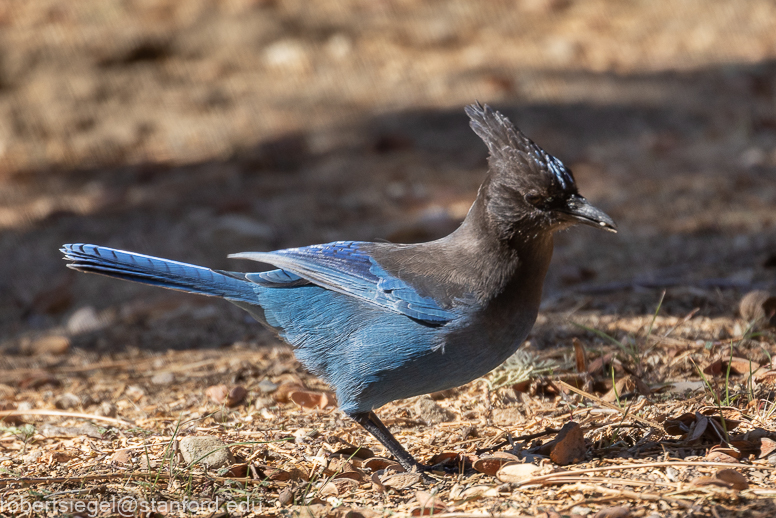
pixel 578 208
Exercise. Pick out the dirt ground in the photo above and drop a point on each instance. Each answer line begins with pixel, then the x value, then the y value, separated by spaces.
pixel 191 130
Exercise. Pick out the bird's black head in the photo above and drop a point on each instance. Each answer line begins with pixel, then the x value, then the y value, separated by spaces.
pixel 527 189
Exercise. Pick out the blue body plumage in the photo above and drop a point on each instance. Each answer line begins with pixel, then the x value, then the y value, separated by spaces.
pixel 382 321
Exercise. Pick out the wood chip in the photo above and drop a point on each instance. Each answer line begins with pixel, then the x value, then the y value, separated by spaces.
pixel 515 473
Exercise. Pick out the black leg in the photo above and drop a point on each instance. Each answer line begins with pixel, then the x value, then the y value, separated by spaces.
pixel 373 425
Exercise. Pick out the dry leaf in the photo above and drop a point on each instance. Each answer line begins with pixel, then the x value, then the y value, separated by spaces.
pixel 339 487
pixel 734 478
pixel 217 393
pixel 236 396
pixel 309 399
pixel 619 511
pixel 579 355
pixel 491 465
pixel 237 471
pixel 355 452
pixel 710 481
pixel 121 457
pixel 444 457
pixel 430 505
pixel 516 473
pixel 767 446
pixel 569 446
pixel 378 463
pixel 352 475
pixel 377 485
pixel 626 385
pixel 479 491
pixel 286 496
pixel 401 480
pixel 719 456
pixel 737 367
pixel 284 389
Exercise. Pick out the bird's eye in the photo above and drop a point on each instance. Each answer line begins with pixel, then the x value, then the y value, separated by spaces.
pixel 534 198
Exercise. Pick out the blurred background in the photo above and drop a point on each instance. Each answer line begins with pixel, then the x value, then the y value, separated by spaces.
pixel 191 130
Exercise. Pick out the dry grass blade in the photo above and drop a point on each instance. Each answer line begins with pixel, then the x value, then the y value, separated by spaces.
pixel 59 413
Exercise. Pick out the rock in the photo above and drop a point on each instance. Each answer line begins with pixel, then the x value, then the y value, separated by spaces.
pixel 210 451
pixel 85 320
pixel 267 387
pixel 289 54
pixel 67 401
pixel 431 412
pixel 163 378
pixel 106 409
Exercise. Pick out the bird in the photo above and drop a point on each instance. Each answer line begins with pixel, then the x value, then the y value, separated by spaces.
pixel 380 321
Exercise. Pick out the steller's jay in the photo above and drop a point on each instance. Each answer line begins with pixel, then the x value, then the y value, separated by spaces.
pixel 383 321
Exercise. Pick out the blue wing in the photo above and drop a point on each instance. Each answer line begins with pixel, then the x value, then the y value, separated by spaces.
pixel 345 267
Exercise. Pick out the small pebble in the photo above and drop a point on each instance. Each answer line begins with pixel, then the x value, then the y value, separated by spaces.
pixel 267 387
pixel 163 378
pixel 209 451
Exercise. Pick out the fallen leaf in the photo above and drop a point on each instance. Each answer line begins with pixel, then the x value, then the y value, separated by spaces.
pixel 309 399
pixel 217 393
pixel 767 446
pixel 237 470
pixel 626 385
pixel 284 389
pixel 737 367
pixel 355 452
pixel 619 511
pixel 121 457
pixel 479 491
pixel 378 463
pixel 401 480
pixel 491 465
pixel 718 456
pixel 236 396
pixel 430 505
pixel 286 496
pixel 516 473
pixel 599 363
pixel 446 457
pixel 377 485
pixel 569 447
pixel 734 478
pixel 579 355
pixel 352 475
pixel 710 481
pixel 338 487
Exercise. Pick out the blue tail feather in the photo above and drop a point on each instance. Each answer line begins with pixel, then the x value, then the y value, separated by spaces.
pixel 158 272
